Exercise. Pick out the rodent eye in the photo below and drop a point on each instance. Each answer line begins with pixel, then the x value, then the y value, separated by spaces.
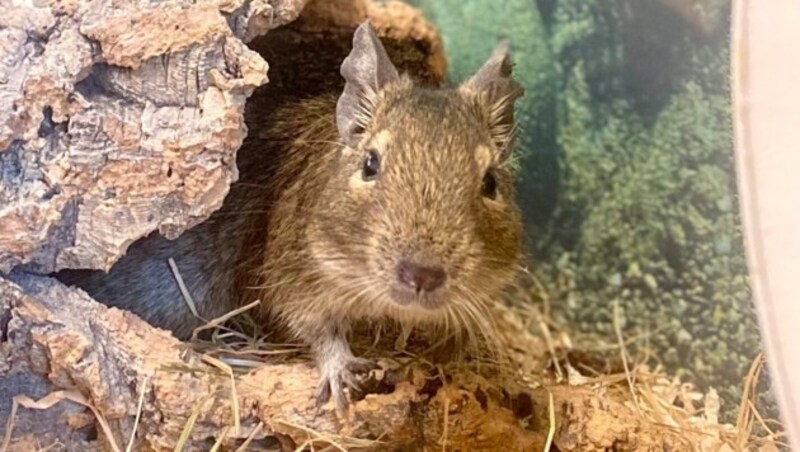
pixel 372 164
pixel 489 188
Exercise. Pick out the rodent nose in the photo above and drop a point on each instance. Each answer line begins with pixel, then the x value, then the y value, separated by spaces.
pixel 420 278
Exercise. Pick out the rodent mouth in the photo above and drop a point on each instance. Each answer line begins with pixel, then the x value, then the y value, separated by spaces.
pixel 427 300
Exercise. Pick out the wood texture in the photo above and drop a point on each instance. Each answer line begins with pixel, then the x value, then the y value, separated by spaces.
pixel 118 119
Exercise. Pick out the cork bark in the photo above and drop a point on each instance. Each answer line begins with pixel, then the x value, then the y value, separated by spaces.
pixel 119 118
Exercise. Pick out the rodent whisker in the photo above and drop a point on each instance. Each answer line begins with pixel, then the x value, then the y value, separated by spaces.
pixel 366 287
pixel 349 224
pixel 462 324
pixel 335 143
pixel 447 319
pixel 482 319
pixel 470 321
pixel 491 260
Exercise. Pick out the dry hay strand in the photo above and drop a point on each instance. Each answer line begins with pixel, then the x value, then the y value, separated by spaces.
pixel 47 402
pixel 749 417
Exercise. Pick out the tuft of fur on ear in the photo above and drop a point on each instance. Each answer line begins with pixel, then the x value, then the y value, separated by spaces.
pixel 366 70
pixel 497 91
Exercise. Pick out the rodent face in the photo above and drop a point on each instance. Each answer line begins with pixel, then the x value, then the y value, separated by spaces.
pixel 420 214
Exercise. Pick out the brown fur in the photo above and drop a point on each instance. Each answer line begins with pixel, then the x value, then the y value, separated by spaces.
pixel 319 245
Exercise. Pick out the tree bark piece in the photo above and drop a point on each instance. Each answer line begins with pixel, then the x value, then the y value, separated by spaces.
pixel 118 119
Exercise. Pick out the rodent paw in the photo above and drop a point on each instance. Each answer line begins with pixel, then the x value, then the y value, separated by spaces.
pixel 362 365
pixel 337 377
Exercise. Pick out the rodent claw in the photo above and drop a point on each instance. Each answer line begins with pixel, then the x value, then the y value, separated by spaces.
pixel 323 393
pixel 362 365
pixel 332 387
pixel 334 382
pixel 351 381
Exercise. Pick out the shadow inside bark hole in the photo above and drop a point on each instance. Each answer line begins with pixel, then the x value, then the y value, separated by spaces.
pixel 374 385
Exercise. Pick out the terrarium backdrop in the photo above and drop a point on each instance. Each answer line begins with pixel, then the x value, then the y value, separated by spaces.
pixel 627 177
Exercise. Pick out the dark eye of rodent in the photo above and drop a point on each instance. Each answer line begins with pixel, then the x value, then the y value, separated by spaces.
pixel 372 164
pixel 489 188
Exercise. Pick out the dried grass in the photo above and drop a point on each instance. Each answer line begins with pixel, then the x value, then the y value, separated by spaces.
pixel 341 443
pixel 551 417
pixel 139 406
pixel 47 402
pixel 250 437
pixel 189 426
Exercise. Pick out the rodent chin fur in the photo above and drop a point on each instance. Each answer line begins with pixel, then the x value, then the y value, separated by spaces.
pixel 390 201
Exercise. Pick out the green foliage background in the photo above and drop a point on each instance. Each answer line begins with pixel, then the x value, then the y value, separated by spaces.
pixel 627 178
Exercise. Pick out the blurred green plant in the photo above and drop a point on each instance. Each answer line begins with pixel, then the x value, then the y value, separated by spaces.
pixel 651 222
pixel 647 216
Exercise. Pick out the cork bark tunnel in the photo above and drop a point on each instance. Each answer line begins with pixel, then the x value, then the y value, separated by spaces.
pixel 119 119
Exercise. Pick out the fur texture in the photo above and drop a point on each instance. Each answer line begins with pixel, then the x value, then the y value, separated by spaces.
pixel 319 242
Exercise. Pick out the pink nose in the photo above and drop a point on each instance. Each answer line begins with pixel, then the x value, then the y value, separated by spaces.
pixel 420 278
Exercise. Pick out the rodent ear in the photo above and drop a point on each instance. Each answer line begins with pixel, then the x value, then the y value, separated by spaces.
pixel 366 70
pixel 497 91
